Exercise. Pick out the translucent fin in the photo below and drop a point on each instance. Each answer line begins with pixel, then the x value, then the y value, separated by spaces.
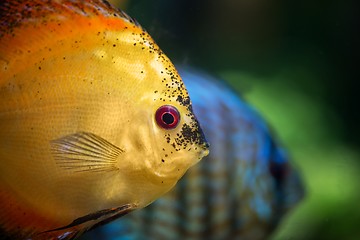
pixel 85 151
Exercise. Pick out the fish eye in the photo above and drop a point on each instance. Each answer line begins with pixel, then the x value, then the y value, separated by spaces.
pixel 167 117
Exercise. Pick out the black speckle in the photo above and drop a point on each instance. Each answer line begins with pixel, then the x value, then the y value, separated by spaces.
pixel 190 134
pixel 185 101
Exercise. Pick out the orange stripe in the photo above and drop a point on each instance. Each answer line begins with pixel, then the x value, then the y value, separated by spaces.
pixel 30 25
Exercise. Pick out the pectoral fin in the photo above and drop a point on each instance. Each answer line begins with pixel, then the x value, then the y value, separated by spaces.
pixel 85 151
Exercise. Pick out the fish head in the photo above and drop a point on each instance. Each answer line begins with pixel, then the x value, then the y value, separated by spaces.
pixel 148 111
pixel 177 139
pixel 164 136
pixel 159 131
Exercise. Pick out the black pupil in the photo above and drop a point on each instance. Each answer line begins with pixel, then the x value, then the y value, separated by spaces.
pixel 168 118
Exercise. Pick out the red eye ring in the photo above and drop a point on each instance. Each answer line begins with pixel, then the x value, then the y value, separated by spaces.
pixel 167 117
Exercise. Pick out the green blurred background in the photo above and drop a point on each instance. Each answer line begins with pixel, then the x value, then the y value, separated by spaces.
pixel 295 61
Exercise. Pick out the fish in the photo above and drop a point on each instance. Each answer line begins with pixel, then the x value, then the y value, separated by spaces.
pixel 241 190
pixel 95 121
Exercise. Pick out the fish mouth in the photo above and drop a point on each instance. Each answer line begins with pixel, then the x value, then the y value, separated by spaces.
pixel 202 151
pixel 205 151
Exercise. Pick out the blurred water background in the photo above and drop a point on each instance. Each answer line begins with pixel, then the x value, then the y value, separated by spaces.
pixel 296 62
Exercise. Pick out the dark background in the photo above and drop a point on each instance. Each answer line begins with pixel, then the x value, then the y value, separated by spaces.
pixel 296 61
pixel 262 36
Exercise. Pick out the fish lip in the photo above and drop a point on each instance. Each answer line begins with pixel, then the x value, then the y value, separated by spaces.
pixel 205 152
pixel 205 149
pixel 202 152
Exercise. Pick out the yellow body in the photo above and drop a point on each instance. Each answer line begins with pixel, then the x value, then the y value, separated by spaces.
pixel 69 71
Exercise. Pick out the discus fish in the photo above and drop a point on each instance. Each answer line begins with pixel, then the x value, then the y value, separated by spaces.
pixel 94 119
pixel 240 191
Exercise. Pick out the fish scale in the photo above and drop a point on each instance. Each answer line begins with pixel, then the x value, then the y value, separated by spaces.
pixel 240 191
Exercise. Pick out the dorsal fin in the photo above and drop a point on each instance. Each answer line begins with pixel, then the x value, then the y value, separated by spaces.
pixel 15 13
pixel 26 22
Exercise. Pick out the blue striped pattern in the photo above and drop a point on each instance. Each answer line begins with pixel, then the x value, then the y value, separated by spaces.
pixel 240 191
